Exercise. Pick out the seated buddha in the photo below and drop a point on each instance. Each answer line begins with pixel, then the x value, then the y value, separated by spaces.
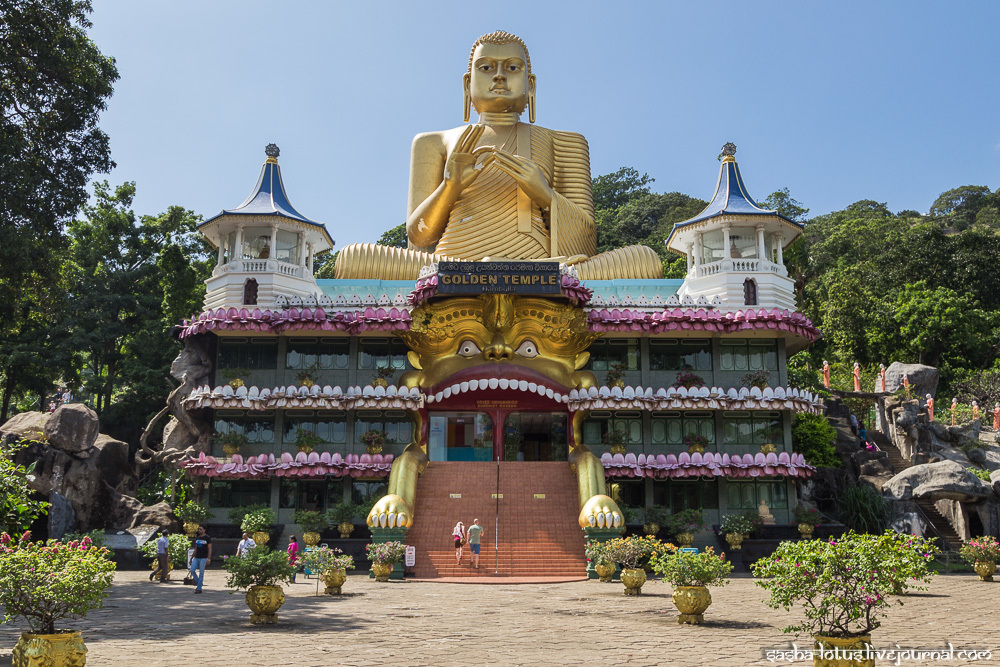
pixel 499 188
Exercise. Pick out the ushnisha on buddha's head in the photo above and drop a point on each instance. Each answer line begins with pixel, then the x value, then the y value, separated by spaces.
pixel 499 79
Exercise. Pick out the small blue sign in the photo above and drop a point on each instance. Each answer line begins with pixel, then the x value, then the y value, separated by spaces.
pixel 689 550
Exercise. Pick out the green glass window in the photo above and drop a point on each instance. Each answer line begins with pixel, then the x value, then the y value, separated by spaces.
pixel 678 495
pixel 331 431
pixel 324 354
pixel 250 354
pixel 398 431
pixel 680 355
pixel 747 495
pixel 606 353
pixel 239 492
pixel 757 429
pixel 595 430
pixel 748 355
pixel 258 430
pixel 317 495
pixel 382 353
pixel 672 430
pixel 367 493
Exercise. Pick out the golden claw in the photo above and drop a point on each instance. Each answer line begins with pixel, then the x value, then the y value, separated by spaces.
pixel 390 512
pixel 601 512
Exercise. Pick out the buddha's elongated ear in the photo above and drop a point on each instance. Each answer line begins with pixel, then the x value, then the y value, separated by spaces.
pixel 531 98
pixel 467 103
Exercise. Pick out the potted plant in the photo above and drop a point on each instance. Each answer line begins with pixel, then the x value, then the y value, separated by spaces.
pixel 736 528
pixel 341 515
pixel 384 555
pixel 982 553
pixel 656 518
pixel 192 514
pixel 260 572
pixel 630 553
pixel 768 448
pixel 237 514
pixel 307 377
pixel 759 379
pixel 258 523
pixel 313 523
pixel 688 380
pixel 615 377
pixel 177 549
pixel 691 574
pixel 231 442
pixel 382 376
pixel 684 524
pixel 331 564
pixel 807 518
pixel 616 439
pixel 695 443
pixel 45 583
pixel 604 564
pixel 374 440
pixel 235 376
pixel 306 440
pixel 843 586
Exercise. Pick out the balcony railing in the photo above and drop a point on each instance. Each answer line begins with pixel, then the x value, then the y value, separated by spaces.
pixel 252 266
pixel 737 266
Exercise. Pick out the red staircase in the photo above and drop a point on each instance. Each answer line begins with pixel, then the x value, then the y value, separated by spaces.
pixel 536 536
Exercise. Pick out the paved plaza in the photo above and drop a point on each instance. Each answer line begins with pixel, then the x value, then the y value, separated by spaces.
pixel 431 623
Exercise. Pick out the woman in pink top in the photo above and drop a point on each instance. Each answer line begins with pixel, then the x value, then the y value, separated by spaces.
pixel 293 555
pixel 459 535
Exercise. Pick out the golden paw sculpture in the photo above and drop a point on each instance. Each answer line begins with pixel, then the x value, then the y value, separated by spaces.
pixel 391 512
pixel 601 512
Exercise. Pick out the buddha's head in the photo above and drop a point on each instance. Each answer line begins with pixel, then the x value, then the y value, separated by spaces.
pixel 527 339
pixel 499 77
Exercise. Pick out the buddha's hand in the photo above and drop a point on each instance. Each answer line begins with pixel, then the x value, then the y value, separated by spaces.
pixel 390 512
pixel 601 512
pixel 529 176
pixel 461 169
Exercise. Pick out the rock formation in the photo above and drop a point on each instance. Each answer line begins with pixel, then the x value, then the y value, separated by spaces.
pixel 923 379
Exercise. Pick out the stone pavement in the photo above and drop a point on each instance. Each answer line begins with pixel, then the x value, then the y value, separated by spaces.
pixel 430 623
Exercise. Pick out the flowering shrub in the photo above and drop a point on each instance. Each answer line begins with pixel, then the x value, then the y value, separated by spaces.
pixel 373 440
pixel 843 585
pixel 696 441
pixel 687 379
pixel 386 553
pixel 981 550
pixel 258 520
pixel 43 583
pixel 192 512
pixel 807 515
pixel 614 375
pixel 322 559
pixel 306 440
pixel 259 567
pixel 741 524
pixel 686 521
pixel 630 552
pixel 692 569
pixel 597 553
pixel 177 549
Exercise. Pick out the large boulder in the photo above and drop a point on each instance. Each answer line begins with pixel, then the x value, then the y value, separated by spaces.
pixel 128 512
pixel 944 480
pixel 72 428
pixel 29 425
pixel 923 379
pixel 995 481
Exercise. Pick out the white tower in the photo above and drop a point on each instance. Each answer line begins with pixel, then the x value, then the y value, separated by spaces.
pixel 734 247
pixel 266 247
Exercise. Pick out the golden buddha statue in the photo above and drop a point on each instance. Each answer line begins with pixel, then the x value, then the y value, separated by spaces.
pixel 499 188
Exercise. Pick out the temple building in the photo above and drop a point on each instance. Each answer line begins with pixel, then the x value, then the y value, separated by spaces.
pixel 520 390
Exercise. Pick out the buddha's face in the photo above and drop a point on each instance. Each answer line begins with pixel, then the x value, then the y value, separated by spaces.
pixel 499 80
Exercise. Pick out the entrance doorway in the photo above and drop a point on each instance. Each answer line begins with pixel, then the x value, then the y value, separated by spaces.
pixel 460 436
pixel 535 436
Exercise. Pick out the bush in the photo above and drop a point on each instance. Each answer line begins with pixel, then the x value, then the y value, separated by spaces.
pixel 96 537
pixel 843 585
pixel 981 550
pixel 692 569
pixel 385 553
pixel 630 552
pixel 258 520
pixel 981 473
pixel 686 521
pixel 311 521
pixel 807 515
pixel 259 567
pixel 237 514
pixel 597 553
pixel 322 559
pixel 192 512
pixel 177 549
pixel 18 509
pixel 741 524
pixel 657 514
pixel 342 512
pixel 813 437
pixel 43 583
pixel 759 379
pixel 864 509
pixel 688 380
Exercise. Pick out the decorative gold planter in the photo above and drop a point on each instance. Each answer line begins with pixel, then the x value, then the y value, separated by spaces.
pixel 65 649
pixel 696 448
pixel 685 539
pixel 345 528
pixel 985 570
pixel 170 568
pixel 651 529
pixel 373 449
pixel 380 382
pixel 230 450
pixel 191 528
pixel 311 539
pixel 824 651
pixel 692 601
pixel 735 541
pixel 334 579
pixel 381 571
pixel 261 537
pixel 264 602
pixel 605 571
pixel 633 580
pixel 618 448
pixel 806 530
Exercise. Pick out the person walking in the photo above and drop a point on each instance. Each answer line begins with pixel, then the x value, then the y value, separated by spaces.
pixel 459 536
pixel 293 555
pixel 475 537
pixel 863 434
pixel 202 557
pixel 162 558
pixel 246 545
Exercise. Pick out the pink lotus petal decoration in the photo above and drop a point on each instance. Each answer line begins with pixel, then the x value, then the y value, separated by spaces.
pixel 312 465
pixel 707 464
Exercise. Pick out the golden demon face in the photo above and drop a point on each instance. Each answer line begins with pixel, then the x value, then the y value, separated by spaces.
pixel 499 336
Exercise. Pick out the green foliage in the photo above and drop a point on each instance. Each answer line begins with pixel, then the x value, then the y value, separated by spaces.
pixel 759 379
pixel 631 552
pixel 310 520
pixel 738 524
pixel 343 512
pixel 844 586
pixel 321 559
pixel 782 202
pixel 807 515
pixel 177 549
pixel 865 510
pixel 156 488
pixel 96 537
pixel 686 521
pixel 597 553
pixel 657 514
pixel 395 237
pixel 258 520
pixel 981 473
pixel 692 569
pixel 306 440
pixel 981 550
pixel 237 514
pixel 259 567
pixel 44 583
pixel 813 436
pixel 192 512
pixel 385 553
pixel 18 509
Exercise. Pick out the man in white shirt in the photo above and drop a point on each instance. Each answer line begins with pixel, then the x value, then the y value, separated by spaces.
pixel 246 545
pixel 162 558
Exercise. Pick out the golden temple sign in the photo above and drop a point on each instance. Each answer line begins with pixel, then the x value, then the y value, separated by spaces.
pixel 498 278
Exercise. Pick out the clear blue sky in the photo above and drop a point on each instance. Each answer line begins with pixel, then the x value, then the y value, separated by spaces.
pixel 837 101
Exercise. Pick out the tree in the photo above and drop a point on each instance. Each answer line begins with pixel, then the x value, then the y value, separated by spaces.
pixel 395 237
pixel 941 324
pixel 18 509
pixel 785 205
pixel 614 190
pixel 54 82
pixel 959 207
